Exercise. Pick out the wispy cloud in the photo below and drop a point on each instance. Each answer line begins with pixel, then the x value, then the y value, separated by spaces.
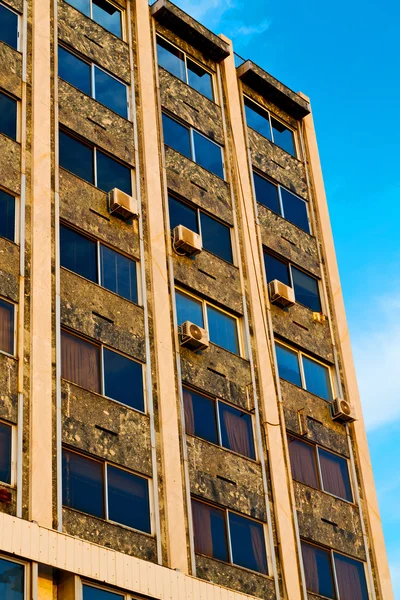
pixel 208 12
pixel 242 30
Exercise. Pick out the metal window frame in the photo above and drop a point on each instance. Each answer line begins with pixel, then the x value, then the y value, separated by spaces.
pixel 18 116
pixel 317 449
pixel 15 326
pixel 19 17
pixel 13 457
pixel 192 130
pixel 332 553
pixel 280 188
pixel 103 378
pixel 93 85
pixel 17 223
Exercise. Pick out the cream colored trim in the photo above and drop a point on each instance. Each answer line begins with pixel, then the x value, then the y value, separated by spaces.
pixel 371 508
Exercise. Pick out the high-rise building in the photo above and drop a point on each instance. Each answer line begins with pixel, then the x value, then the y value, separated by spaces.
pixel 179 415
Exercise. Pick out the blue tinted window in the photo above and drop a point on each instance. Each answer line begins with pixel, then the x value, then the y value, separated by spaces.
pixel 110 92
pixel 208 154
pixel 8 116
pixel 6 327
pixel 123 379
pixel 171 59
pixel 176 136
pixel 200 416
pixel 288 364
pixel 74 70
pixel 257 118
pixel 82 5
pixel 12 580
pixel 76 157
pixel 283 137
pixel 78 253
pixel 317 570
pixel 335 474
pixel 295 210
pixel 7 216
pixel 128 499
pixel 306 290
pixel 92 593
pixel 82 484
pixel 236 430
pixel 108 16
pixel 350 576
pixel 223 329
pixel 266 193
pixel 188 309
pixel 118 274
pixel 5 453
pixel 248 543
pixel 8 27
pixel 317 378
pixel 181 214
pixel 276 269
pixel 199 79
pixel 216 237
pixel 209 531
pixel 112 174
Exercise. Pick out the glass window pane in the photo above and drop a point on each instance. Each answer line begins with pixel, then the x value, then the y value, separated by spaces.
pixel 257 118
pixel 80 362
pixel 209 531
pixel 288 364
pixel 123 379
pixel 236 430
pixel 8 116
pixel 276 269
pixel 7 311
pixel 216 237
pixel 317 570
pixel 78 253
pixel 128 499
pixel 92 593
pixel 176 136
pixel 317 378
pixel 188 309
pixel 82 5
pixel 171 59
pixel 335 474
pixel 82 484
pixel 181 214
pixel 266 193
pixel 200 416
pixel 283 137
pixel 295 210
pixel 303 463
pixel 248 543
pixel 110 92
pixel 74 70
pixel 7 216
pixel 200 79
pixel 112 174
pixel 306 290
pixel 108 16
pixel 8 27
pixel 12 580
pixel 5 453
pixel 208 154
pixel 351 578
pixel 118 274
pixel 223 330
pixel 76 157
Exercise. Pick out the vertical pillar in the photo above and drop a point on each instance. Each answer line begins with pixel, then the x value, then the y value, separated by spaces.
pixel 163 341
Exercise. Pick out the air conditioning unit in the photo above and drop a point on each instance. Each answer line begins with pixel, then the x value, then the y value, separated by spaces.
pixel 187 240
pixel 122 204
pixel 342 411
pixel 193 336
pixel 281 294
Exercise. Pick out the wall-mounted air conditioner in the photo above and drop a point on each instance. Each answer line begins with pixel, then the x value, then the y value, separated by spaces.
pixel 122 204
pixel 186 240
pixel 281 294
pixel 193 336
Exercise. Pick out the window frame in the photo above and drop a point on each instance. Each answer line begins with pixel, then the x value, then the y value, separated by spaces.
pixel 14 455
pixel 17 116
pixel 27 572
pixel 19 29
pixel 15 325
pixel 16 215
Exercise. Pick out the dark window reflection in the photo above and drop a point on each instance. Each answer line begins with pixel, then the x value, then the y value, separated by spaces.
pixel 7 327
pixel 108 16
pixel 5 453
pixel 303 462
pixel 209 531
pixel 200 416
pixel 181 214
pixel 118 274
pixel 248 543
pixel 82 484
pixel 283 137
pixel 350 576
pixel 80 362
pixel 82 5
pixel 317 378
pixel 276 269
pixel 111 92
pixel 128 499
pixel 266 193
pixel 223 330
pixel 8 27
pixel 176 136
pixel 199 79
pixel 7 216
pixel 8 116
pixel 123 380
pixel 295 210
pixel 12 580
pixel 112 174
pixel 216 237
pixel 335 474
pixel 236 430
pixel 317 570
pixel 288 364
pixel 78 253
pixel 92 593
pixel 171 59
pixel 208 154
pixel 306 290
pixel 74 70
pixel 76 157
pixel 257 118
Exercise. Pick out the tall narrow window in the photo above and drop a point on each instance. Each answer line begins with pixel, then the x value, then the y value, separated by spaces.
pixel 248 543
pixel 7 316
pixel 80 362
pixel 210 537
pixel 288 364
pixel 350 576
pixel 236 430
pixel 208 154
pixel 8 116
pixel 283 136
pixel 5 453
pixel 78 253
pixel 128 499
pixel 12 580
pixel 83 484
pixel 303 462
pixel 200 416
pixel 7 216
pixel 267 193
pixel 276 269
pixel 257 118
pixel 216 237
pixel 176 136
pixel 223 329
pixel 317 380
pixel 118 274
pixel 8 27
pixel 335 474
pixel 317 570
pixel 123 379
pixel 112 174
pixel 76 157
pixel 74 70
pixel 294 209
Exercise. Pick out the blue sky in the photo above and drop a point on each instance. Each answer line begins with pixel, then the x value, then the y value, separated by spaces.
pixel 346 56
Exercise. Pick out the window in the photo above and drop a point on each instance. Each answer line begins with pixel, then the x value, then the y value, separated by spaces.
pixel 98 263
pixel 176 62
pixel 104 13
pixel 323 568
pixel 8 116
pixel 320 468
pixel 93 81
pixel 101 370
pixel 305 286
pixel 105 491
pixel 246 545
pixel 260 120
pixel 193 145
pixel 303 371
pixel 12 580
pixel 281 201
pixel 5 453
pixel 92 165
pixel 8 27
pixel 7 216
pixel 219 423
pixel 222 328
pixel 216 237
pixel 93 593
pixel 7 317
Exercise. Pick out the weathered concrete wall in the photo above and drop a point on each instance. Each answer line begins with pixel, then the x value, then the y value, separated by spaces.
pixel 9 269
pixel 10 70
pixel 8 388
pixel 10 164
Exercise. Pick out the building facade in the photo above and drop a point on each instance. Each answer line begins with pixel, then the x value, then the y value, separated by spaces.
pixel 179 413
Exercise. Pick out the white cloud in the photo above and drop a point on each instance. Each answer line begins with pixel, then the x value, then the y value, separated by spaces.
pixel 208 12
pixel 241 30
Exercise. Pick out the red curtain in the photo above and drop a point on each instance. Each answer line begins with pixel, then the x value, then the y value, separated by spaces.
pixel 310 567
pixel 6 327
pixel 302 460
pixel 189 414
pixel 80 362
pixel 351 578
pixel 335 474
pixel 202 528
pixel 258 545
pixel 237 431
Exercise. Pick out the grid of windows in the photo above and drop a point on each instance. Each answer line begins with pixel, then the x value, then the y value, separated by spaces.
pixel 265 124
pixel 12 580
pixel 102 12
pixel 9 24
pixel 7 216
pixel 8 116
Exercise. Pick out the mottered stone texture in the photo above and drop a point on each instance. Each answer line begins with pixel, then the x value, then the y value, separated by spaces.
pixel 235 578
pixel 267 104
pixel 10 70
pixel 109 535
pixel 10 164
pixel 225 478
pixel 9 270
pixel 17 5
pixel 8 388
pixel 106 429
pixel 10 508
pixel 190 50
pixel 343 533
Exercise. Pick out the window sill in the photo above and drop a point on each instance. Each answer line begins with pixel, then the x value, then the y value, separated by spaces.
pixel 307 391
pixel 286 221
pixel 227 450
pixel 80 512
pixel 234 565
pixel 197 164
pixel 351 502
